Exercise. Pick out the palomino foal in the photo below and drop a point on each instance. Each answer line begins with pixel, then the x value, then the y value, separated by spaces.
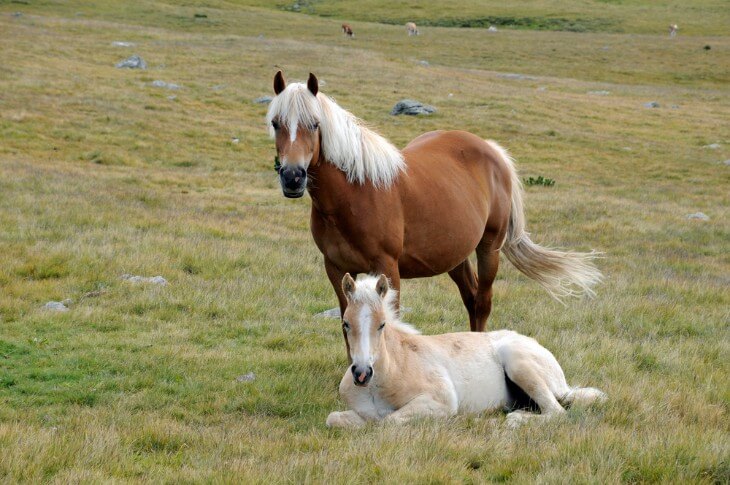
pixel 397 374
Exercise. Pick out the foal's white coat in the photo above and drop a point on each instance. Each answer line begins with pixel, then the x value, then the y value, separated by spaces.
pixel 441 375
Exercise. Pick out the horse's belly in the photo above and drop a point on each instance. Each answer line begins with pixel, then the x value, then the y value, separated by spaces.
pixel 484 389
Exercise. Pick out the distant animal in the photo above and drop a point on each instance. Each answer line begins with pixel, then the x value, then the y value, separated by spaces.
pixel 414 213
pixel 673 30
pixel 411 28
pixel 347 30
pixel 397 375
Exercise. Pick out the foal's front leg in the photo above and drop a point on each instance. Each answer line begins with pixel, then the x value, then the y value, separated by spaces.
pixel 344 419
pixel 421 406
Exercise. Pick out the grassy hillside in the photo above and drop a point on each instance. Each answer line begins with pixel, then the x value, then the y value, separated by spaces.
pixel 102 174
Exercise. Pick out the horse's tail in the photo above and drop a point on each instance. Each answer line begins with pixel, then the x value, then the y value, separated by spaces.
pixel 583 396
pixel 561 273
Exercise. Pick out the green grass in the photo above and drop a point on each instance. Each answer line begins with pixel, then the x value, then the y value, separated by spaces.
pixel 101 175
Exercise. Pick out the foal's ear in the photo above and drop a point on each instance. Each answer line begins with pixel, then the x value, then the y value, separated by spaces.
pixel 348 285
pixel 313 84
pixel 279 83
pixel 382 286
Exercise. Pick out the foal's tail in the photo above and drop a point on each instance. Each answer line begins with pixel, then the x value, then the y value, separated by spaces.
pixel 583 396
pixel 561 273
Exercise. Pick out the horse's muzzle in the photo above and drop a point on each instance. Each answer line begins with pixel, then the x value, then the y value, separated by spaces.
pixel 362 375
pixel 293 181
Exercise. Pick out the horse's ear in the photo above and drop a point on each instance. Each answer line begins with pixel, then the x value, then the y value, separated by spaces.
pixel 382 286
pixel 313 84
pixel 279 83
pixel 348 285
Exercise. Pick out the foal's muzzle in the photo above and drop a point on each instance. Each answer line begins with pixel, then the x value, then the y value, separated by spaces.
pixel 362 374
pixel 293 181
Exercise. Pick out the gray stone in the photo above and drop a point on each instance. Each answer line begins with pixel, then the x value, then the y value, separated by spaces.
pixel 235 140
pixel 519 77
pixel 713 146
pixel 133 62
pixel 163 84
pixel 17 14
pixel 699 216
pixel 157 280
pixel 118 43
pixel 651 104
pixel 600 93
pixel 55 306
pixel 172 97
pixel 218 87
pixel 67 302
pixel 410 107
pixel 424 63
pixel 263 100
pixel 246 377
pixel 492 28
pixel 727 162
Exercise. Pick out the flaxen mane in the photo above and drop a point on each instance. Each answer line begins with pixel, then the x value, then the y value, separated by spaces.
pixel 346 142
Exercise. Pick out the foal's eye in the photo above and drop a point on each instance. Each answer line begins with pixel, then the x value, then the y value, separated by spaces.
pixel 382 325
pixel 346 326
pixel 275 124
pixel 314 126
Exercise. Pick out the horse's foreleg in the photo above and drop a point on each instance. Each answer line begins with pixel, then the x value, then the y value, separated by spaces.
pixel 421 406
pixel 345 419
pixel 335 276
pixel 464 277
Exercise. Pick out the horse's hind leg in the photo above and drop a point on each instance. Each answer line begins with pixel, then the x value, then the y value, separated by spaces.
pixel 487 265
pixel 464 277
pixel 537 373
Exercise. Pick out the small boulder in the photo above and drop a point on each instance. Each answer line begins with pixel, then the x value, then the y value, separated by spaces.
pixel 263 100
pixel 727 162
pixel 713 146
pixel 424 63
pixel 492 28
pixel 133 62
pixel 246 377
pixel 163 84
pixel 412 108
pixel 699 216
pixel 55 306
pixel 157 280
pixel 600 93
pixel 118 43
pixel 651 104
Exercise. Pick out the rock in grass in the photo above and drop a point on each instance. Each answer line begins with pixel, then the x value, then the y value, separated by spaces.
pixel 412 108
pixel 157 280
pixel 600 93
pixel 246 377
pixel 699 216
pixel 727 162
pixel 163 84
pixel 118 43
pixel 651 104
pixel 55 306
pixel 713 146
pixel 133 62
pixel 263 100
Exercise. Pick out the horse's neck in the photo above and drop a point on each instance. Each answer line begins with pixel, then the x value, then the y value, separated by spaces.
pixel 333 195
pixel 394 358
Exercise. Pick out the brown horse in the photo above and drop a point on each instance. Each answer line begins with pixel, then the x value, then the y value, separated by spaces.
pixel 411 214
pixel 347 30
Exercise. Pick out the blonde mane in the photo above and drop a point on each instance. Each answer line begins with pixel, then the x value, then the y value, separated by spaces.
pixel 365 292
pixel 346 142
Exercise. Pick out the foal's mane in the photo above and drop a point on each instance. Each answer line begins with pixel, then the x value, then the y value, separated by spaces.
pixel 365 292
pixel 346 142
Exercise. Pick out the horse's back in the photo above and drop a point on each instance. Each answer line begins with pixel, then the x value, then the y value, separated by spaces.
pixel 453 191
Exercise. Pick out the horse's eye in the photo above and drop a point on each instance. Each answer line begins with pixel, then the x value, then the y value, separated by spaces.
pixel 275 124
pixel 382 325
pixel 315 126
pixel 346 326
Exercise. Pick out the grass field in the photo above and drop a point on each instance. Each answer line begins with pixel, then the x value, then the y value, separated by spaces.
pixel 102 174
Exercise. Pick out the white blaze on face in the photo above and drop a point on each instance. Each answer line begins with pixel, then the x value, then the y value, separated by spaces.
pixel 363 355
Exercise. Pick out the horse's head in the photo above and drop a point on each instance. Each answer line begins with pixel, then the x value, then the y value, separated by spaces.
pixel 368 310
pixel 294 116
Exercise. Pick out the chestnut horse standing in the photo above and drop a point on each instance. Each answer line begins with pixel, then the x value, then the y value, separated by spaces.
pixel 347 30
pixel 413 213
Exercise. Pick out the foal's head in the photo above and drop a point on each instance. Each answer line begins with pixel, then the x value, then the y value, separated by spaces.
pixel 294 116
pixel 369 309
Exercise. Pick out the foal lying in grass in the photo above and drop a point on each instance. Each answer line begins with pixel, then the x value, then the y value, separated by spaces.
pixel 397 374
